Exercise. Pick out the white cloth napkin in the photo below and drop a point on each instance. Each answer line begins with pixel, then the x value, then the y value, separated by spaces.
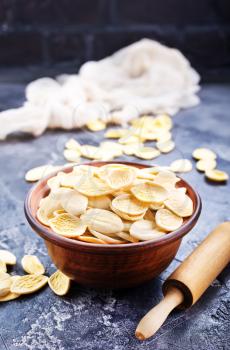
pixel 143 78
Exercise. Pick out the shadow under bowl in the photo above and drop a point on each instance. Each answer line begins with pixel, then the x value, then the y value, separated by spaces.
pixel 109 265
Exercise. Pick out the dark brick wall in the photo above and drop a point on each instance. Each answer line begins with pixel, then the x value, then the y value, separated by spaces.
pixel 48 32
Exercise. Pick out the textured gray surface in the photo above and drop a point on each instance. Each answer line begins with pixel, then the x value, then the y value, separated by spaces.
pixel 99 320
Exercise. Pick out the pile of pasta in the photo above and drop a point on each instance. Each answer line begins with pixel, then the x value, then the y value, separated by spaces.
pixel 114 204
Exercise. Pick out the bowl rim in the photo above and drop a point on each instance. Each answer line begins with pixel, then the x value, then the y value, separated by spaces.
pixel 69 243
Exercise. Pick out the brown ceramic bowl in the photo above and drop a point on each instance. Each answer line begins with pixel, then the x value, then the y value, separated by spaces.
pixel 107 265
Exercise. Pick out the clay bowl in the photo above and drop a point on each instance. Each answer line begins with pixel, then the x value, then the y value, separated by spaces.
pixel 113 266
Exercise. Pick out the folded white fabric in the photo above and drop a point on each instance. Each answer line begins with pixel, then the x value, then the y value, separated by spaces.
pixel 143 78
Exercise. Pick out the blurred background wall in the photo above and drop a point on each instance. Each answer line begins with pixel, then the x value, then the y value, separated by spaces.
pixel 62 34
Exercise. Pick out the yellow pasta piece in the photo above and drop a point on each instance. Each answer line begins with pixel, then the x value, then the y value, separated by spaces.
pixel 43 217
pixel 91 239
pixel 74 203
pixel 103 221
pixel 105 169
pixel 54 183
pixel 72 155
pixel 96 125
pixel 149 215
pixel 142 225
pixel 7 257
pixel 59 283
pixel 163 136
pixel 93 186
pixel 181 166
pixel 69 180
pixel 110 147
pixel 145 175
pixel 83 169
pixel 177 192
pixel 127 216
pixel 59 193
pixel 139 182
pixel 105 238
pixel 167 220
pixel 5 283
pixel 145 230
pixel 127 225
pixel 147 135
pixel 166 179
pixel 130 150
pixel 179 203
pixel 127 237
pixel 215 175
pixel 120 178
pixel 14 278
pixel 67 225
pixel 102 202
pixel 3 267
pixel 115 133
pixel 156 206
pixel 129 139
pixel 118 193
pixel 28 284
pixel 155 170
pixel 147 153
pixel 128 204
pixel 73 145
pixel 149 192
pixel 58 212
pixel 105 155
pixel 9 296
pixel 206 164
pixel 163 121
pixel 32 265
pixel 165 146
pixel 48 205
pixel 39 172
pixel 144 121
pixel 203 153
pixel 91 152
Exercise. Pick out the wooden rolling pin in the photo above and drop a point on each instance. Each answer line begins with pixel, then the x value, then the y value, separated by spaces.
pixel 190 280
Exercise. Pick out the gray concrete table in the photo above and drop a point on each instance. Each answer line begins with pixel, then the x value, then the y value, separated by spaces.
pixel 88 319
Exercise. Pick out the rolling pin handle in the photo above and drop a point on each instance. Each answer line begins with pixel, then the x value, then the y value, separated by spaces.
pixel 190 280
pixel 154 319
